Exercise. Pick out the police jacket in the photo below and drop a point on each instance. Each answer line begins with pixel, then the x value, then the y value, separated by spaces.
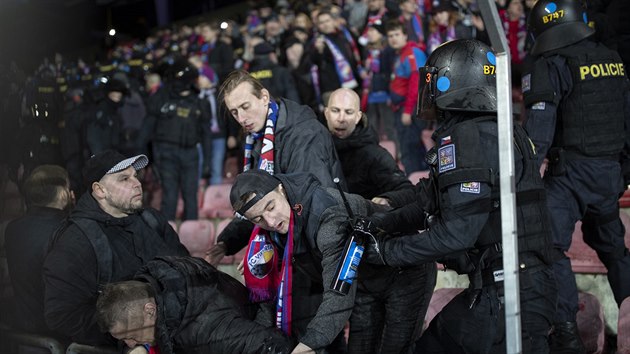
pixel 203 310
pixel 183 121
pixel 465 180
pixel 72 272
pixel 575 99
pixel 302 144
pixel 319 238
pixel 104 130
pixel 275 78
pixel 369 169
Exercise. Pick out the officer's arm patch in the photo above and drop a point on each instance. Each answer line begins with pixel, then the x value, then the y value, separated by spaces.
pixel 538 106
pixel 446 158
pixel 470 187
pixel 526 82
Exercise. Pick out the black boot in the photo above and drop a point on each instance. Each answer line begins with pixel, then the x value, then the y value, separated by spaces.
pixel 565 339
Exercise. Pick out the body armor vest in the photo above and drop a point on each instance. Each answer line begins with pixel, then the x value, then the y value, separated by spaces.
pixel 179 122
pixel 534 232
pixel 592 116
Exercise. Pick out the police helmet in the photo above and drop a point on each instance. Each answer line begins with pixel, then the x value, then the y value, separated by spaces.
pixel 182 75
pixel 557 23
pixel 458 76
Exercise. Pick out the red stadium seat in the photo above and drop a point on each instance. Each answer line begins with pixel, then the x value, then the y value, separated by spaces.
pixel 590 319
pixel 440 298
pixel 390 146
pixel 220 226
pixel 624 201
pixel 416 176
pixel 197 236
pixel 623 328
pixel 583 258
pixel 216 202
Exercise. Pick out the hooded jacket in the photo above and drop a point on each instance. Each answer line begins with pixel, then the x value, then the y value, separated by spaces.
pixel 320 235
pixel 71 270
pixel 203 310
pixel 369 169
pixel 302 144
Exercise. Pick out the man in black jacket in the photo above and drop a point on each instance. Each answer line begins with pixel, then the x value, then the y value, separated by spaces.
pixel 185 305
pixel 277 79
pixel 389 304
pixel 48 198
pixel 107 237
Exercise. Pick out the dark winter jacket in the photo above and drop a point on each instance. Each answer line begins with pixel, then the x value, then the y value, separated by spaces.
pixel 302 144
pixel 203 310
pixel 26 242
pixel 369 169
pixel 320 234
pixel 71 269
pixel 275 78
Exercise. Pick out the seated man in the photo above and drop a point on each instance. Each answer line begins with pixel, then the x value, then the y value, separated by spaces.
pixel 185 305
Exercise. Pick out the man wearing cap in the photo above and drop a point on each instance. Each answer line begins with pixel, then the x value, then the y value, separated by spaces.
pixel 107 237
pixel 294 251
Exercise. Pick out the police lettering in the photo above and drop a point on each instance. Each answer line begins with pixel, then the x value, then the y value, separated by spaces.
pixel 488 69
pixel 601 70
pixel 262 74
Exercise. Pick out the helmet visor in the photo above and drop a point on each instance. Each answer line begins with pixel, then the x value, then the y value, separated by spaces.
pixel 426 92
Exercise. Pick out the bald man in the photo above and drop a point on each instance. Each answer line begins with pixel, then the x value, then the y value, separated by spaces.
pixel 391 303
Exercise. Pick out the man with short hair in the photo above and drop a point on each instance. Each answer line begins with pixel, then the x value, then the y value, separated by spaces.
pixel 107 237
pixel 185 305
pixel 48 199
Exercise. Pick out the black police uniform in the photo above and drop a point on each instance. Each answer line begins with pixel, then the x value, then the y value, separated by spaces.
pixel 459 208
pixel 575 107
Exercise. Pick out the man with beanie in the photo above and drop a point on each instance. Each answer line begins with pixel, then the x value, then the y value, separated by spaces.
pixel 107 237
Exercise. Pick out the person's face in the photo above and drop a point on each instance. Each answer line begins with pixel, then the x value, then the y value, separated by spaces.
pixel 136 329
pixel 115 96
pixel 272 28
pixel 272 212
pixel 375 5
pixel 373 35
pixel 122 192
pixel 441 18
pixel 325 24
pixel 295 52
pixel 342 114
pixel 409 6
pixel 396 39
pixel 515 9
pixel 208 34
pixel 248 110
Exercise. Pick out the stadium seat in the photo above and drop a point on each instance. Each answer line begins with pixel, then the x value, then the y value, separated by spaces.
pixel 414 177
pixel 23 342
pixel 197 236
pixel 216 202
pixel 623 328
pixel 230 169
pixel 440 298
pixel 590 319
pixel 583 258
pixel 624 201
pixel 390 146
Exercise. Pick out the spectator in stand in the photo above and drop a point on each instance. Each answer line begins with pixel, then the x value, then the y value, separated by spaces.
pixel 48 200
pixel 412 19
pixel 216 53
pixel 333 54
pixel 378 10
pixel 442 25
pixel 375 98
pixel 515 26
pixel 403 90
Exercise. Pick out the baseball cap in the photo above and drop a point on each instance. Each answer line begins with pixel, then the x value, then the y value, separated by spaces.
pixel 108 162
pixel 259 182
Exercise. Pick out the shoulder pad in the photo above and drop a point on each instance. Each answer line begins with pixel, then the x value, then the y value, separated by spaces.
pixel 536 84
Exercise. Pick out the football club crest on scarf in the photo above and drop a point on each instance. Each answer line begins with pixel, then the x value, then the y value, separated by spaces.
pixel 260 257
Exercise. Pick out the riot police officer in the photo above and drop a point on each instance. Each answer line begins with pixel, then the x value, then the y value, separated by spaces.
pixel 458 87
pixel 574 91
pixel 178 122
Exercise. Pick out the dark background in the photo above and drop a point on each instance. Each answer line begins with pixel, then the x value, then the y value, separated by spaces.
pixel 33 29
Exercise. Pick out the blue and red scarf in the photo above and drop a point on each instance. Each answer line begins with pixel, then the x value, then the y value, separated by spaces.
pixel 266 153
pixel 342 66
pixel 262 278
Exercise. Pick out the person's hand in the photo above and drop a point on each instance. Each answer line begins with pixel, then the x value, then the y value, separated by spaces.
pixel 231 142
pixel 380 201
pixel 543 167
pixel 216 253
pixel 478 22
pixel 240 266
pixel 406 119
pixel 302 349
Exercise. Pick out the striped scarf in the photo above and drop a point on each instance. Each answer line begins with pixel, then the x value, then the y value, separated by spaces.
pixel 266 153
